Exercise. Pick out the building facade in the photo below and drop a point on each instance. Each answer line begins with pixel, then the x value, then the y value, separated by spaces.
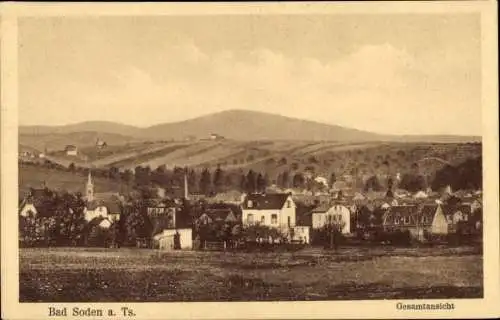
pixel 272 210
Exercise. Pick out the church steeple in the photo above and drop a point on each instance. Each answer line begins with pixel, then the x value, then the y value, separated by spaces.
pixel 90 188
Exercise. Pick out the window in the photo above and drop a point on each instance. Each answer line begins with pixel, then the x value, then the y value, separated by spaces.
pixel 250 203
pixel 274 219
pixel 250 218
pixel 289 221
pixel 396 220
pixel 406 220
pixel 262 219
pixel 288 204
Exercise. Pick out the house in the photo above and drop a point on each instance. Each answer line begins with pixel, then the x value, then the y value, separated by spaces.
pixel 358 197
pixel 338 214
pixel 231 196
pixel 162 214
pixel 100 144
pixel 301 234
pixel 475 205
pixel 276 210
pixel 95 209
pixel 420 195
pixel 36 203
pixel 454 214
pixel 166 239
pixel 222 215
pixel 215 136
pixel 71 150
pixel 322 180
pixel 416 219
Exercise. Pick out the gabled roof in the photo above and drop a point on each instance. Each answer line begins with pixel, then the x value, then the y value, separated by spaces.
pixel 424 213
pixel 92 205
pixel 358 196
pixel 222 214
pixel 322 208
pixel 268 201
pixel 97 222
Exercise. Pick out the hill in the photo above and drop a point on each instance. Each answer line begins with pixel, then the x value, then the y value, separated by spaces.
pixel 91 126
pixel 240 125
pixel 274 157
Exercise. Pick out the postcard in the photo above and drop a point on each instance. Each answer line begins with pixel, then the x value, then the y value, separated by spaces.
pixel 326 160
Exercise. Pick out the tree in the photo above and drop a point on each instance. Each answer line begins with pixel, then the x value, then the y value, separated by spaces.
pixel 390 183
pixel 160 176
pixel 251 182
pixel 298 180
pixel 218 179
pixel 128 175
pixel 205 182
pixel 261 183
pixel 114 173
pixel 71 167
pixel 412 182
pixel 142 175
pixel 243 183
pixel 285 179
pixel 333 179
pixel 192 180
pixel 373 184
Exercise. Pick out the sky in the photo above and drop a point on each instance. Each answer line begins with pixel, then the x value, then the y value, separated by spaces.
pixel 395 74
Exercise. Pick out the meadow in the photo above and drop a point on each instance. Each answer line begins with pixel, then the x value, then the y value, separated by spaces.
pixel 107 275
pixel 34 176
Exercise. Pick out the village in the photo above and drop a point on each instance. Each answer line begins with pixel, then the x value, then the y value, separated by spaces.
pixel 270 217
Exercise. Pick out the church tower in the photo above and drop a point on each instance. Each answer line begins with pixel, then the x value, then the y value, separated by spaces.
pixel 90 188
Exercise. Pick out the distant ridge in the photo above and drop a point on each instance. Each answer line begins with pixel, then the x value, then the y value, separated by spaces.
pixel 238 125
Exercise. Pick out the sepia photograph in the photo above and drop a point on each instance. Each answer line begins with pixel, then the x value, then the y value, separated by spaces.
pixel 250 157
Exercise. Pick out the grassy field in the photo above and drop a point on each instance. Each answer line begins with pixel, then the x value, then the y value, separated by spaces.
pixel 69 274
pixel 30 176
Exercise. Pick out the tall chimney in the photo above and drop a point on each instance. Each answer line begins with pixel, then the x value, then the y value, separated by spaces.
pixel 186 193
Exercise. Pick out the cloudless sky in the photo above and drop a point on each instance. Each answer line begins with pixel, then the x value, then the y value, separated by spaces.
pixel 400 74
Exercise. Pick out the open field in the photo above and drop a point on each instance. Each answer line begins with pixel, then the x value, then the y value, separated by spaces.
pixel 32 177
pixel 78 274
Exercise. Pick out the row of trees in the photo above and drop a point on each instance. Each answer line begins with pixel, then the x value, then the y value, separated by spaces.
pixel 467 175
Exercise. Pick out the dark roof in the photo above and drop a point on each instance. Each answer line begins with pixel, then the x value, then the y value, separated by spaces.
pixel 322 208
pixel 112 206
pixel 412 211
pixel 268 201
pixel 92 205
pixel 219 214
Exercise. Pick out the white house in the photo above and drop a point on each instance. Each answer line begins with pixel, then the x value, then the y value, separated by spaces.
pixel 165 239
pixel 337 214
pixel 301 233
pixel 95 209
pixel 322 180
pixel 273 210
pixel 71 150
pixel 28 209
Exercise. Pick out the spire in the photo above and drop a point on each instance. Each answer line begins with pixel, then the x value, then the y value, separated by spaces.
pixel 89 181
pixel 90 188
